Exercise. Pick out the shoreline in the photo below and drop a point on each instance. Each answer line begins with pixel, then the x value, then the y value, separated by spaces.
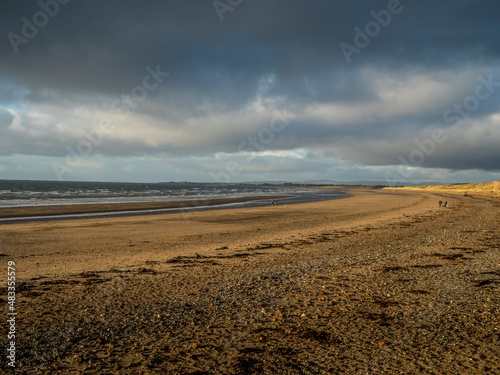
pixel 54 212
pixel 90 208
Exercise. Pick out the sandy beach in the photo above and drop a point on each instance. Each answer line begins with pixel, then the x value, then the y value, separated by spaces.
pixel 383 282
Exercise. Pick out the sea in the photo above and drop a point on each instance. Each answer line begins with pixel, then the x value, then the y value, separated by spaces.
pixel 16 193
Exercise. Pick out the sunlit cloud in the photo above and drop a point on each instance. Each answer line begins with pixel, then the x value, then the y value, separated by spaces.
pixel 135 94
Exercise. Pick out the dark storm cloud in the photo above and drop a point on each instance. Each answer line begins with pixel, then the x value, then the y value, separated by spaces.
pixel 101 46
pixel 284 54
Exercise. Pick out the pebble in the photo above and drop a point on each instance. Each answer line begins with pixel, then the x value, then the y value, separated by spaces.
pixel 222 315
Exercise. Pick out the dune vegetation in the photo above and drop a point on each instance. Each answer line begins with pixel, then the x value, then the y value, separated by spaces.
pixel 483 189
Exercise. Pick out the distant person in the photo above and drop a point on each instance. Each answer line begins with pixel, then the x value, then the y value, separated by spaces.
pixel 272 202
pixel 445 204
pixel 440 203
pixel 276 202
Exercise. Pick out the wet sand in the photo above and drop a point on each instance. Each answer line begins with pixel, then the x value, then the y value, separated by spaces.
pixel 383 282
pixel 77 209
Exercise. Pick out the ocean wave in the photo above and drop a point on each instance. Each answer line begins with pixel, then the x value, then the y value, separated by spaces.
pixel 29 193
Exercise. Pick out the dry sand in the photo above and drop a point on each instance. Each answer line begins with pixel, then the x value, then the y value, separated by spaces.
pixel 380 283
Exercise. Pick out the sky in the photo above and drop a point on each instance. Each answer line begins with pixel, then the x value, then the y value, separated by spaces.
pixel 250 90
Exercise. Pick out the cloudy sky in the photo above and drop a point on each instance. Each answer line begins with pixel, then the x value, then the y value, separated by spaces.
pixel 245 90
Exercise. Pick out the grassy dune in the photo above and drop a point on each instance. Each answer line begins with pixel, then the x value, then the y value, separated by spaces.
pixel 483 188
